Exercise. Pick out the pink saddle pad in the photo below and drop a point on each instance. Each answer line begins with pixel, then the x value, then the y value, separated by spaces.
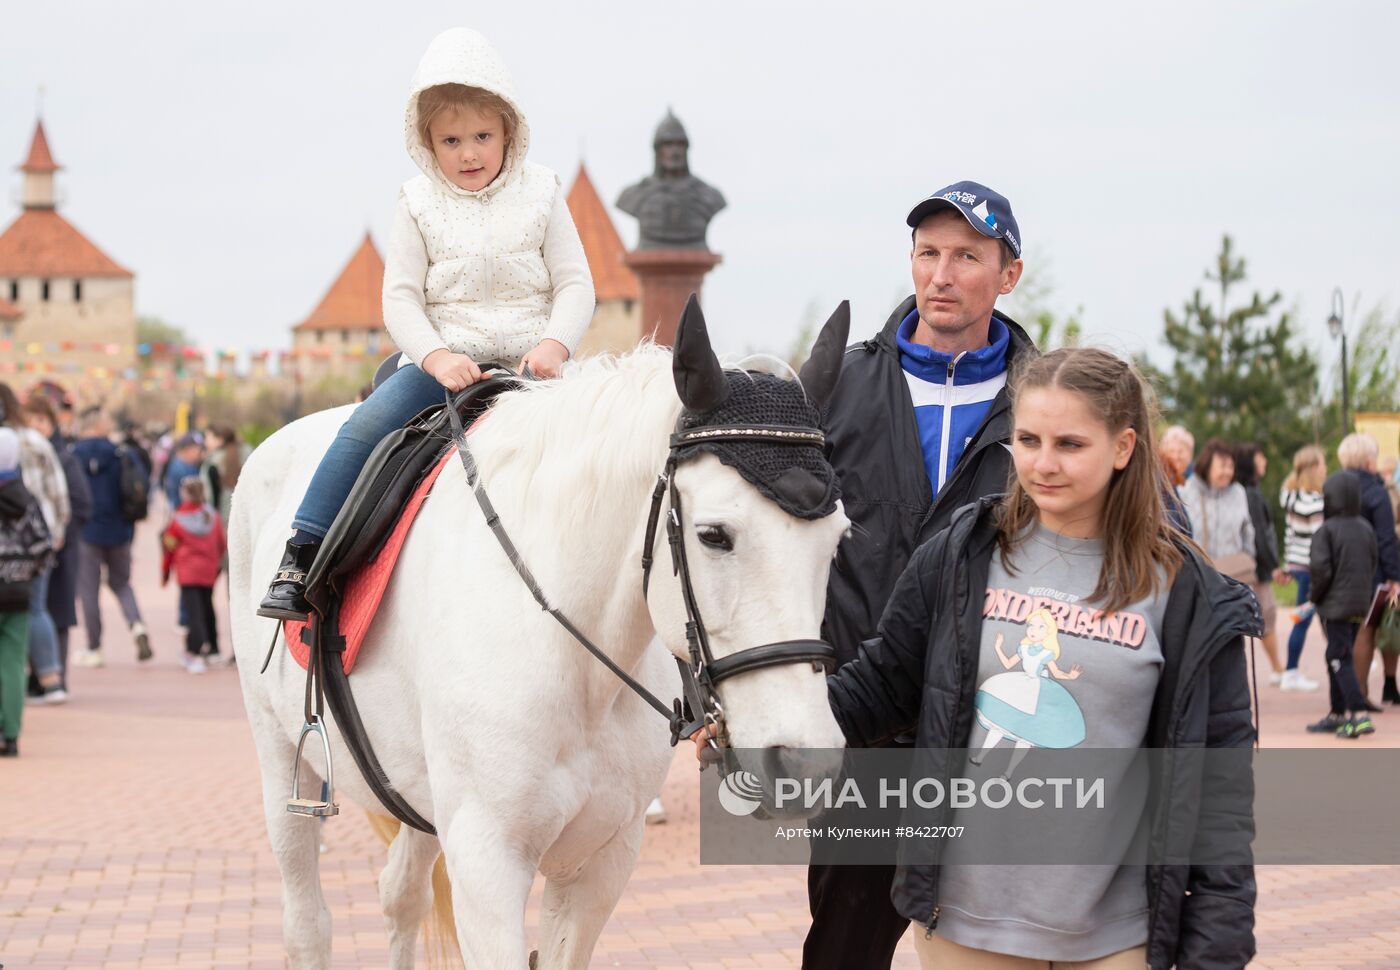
pixel 365 587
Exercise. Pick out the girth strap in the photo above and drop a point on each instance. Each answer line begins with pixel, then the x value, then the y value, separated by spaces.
pixel 352 729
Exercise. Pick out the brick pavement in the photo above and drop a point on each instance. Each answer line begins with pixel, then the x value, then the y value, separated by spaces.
pixel 131 836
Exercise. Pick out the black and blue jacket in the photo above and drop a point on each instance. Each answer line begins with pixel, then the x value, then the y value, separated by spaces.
pixel 874 441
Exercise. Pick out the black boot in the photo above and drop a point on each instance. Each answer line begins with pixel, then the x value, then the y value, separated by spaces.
pixel 286 597
pixel 1390 694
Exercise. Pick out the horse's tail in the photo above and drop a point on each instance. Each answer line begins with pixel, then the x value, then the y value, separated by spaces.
pixel 439 931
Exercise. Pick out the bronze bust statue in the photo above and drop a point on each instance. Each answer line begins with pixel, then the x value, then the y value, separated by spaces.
pixel 672 207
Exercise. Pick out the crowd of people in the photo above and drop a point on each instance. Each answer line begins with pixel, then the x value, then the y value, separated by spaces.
pixel 73 486
pixel 1341 552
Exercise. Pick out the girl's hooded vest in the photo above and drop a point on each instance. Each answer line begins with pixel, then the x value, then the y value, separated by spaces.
pixel 487 280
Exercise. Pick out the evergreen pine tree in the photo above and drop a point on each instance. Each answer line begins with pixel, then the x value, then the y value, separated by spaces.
pixel 1239 371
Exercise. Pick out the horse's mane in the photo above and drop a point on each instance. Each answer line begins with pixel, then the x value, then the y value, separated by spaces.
pixel 586 441
pixel 586 448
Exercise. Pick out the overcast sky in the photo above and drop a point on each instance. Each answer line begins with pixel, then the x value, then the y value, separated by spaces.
pixel 233 155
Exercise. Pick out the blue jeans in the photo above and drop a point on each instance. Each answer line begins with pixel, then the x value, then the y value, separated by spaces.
pixel 392 405
pixel 43 637
pixel 1300 630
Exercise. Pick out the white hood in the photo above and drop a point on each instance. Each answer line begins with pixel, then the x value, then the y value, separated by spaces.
pixel 463 56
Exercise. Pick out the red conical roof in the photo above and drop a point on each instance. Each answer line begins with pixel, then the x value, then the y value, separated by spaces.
pixel 355 300
pixel 612 278
pixel 40 158
pixel 43 243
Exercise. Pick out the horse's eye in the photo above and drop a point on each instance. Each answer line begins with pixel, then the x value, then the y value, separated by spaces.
pixel 716 537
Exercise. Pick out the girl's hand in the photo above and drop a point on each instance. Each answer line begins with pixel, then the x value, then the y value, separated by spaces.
pixel 545 359
pixel 452 371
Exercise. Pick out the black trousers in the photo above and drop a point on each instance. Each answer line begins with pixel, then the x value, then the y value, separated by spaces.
pixel 1341 671
pixel 197 603
pixel 854 924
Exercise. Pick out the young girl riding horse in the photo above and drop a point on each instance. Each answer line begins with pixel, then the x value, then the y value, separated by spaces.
pixel 483 264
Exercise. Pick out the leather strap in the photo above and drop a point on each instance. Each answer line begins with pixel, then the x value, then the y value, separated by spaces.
pixel 352 731
pixel 785 652
pixel 672 713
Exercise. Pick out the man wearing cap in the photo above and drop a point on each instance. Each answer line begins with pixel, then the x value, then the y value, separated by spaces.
pixel 919 425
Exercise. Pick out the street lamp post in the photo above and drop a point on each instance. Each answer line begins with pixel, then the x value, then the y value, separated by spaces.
pixel 1337 327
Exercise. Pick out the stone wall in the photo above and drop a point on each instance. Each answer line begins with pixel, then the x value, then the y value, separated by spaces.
pixel 104 312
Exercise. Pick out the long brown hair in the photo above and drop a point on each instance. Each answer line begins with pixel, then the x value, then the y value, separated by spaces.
pixel 232 464
pixel 1309 470
pixel 1138 542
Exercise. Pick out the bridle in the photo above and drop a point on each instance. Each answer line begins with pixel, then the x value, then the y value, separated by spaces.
pixel 702 675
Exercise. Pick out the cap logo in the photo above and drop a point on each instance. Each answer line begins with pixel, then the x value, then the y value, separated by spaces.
pixel 986 216
pixel 966 198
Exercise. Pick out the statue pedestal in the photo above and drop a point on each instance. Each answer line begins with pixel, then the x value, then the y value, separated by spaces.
pixel 668 277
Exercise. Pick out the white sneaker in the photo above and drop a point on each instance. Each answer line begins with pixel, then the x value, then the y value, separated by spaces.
pixel 89 658
pixel 56 695
pixel 1294 680
pixel 1276 678
pixel 196 665
pixel 656 812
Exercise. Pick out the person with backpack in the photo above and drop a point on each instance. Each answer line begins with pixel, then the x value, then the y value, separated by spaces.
pixel 26 550
pixel 120 489
pixel 42 475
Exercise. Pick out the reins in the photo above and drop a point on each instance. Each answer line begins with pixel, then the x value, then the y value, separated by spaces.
pixel 674 713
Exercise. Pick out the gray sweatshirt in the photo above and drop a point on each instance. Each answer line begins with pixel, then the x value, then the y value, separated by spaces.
pixel 1220 519
pixel 1076 678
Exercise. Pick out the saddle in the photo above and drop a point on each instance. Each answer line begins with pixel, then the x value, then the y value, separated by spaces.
pixel 392 475
pixel 371 527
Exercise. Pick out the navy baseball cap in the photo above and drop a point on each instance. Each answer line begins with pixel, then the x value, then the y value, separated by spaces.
pixel 986 211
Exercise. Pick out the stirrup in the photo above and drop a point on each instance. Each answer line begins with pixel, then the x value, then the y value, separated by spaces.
pixel 311 806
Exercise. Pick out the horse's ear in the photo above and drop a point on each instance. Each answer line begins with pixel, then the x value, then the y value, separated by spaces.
pixel 699 377
pixel 823 367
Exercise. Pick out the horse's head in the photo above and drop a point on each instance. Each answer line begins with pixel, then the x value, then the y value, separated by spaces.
pixel 756 508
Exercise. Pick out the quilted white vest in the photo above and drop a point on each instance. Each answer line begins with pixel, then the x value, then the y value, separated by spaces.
pixel 488 291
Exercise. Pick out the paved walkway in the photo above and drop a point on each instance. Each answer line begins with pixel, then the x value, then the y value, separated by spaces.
pixel 131 835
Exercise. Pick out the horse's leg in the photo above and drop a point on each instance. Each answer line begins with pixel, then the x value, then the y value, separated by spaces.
pixel 405 892
pixel 295 839
pixel 576 909
pixel 490 885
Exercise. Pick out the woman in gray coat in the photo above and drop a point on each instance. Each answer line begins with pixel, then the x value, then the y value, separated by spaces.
pixel 1221 523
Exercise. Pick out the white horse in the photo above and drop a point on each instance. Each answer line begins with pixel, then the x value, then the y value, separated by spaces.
pixel 520 748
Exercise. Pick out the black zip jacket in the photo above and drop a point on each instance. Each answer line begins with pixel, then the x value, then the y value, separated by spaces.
pixel 1343 556
pixel 1265 538
pixel 920 674
pixel 1375 508
pixel 872 440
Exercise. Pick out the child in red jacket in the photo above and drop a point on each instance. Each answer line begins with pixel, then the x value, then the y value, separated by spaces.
pixel 194 545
